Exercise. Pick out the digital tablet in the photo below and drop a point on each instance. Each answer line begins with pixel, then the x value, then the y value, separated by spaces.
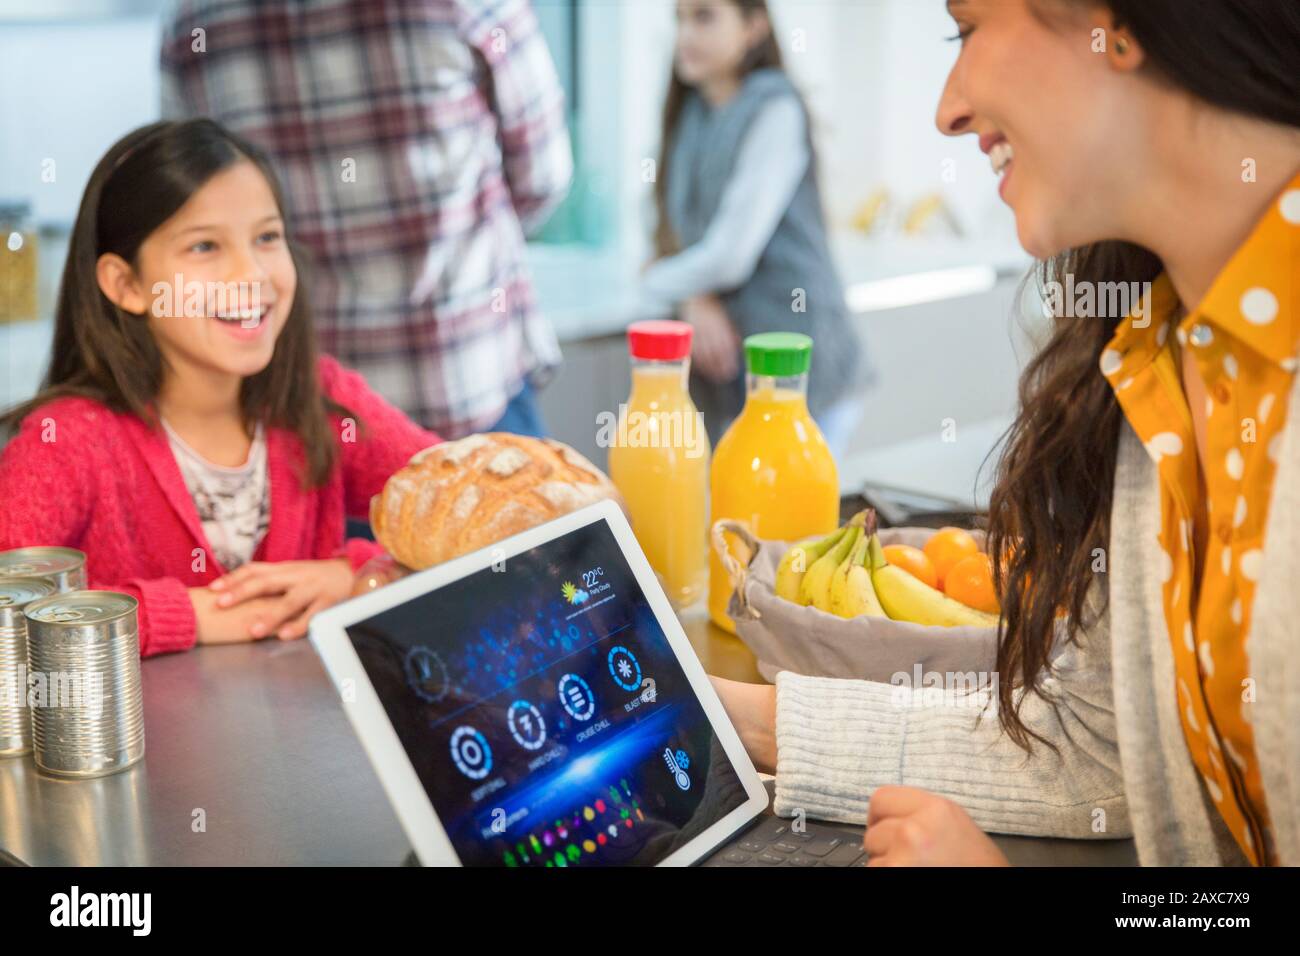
pixel 537 703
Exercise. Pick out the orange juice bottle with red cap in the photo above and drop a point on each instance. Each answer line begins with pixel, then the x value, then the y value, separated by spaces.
pixel 659 459
pixel 773 469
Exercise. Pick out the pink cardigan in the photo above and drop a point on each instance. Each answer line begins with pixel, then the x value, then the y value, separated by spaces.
pixel 80 475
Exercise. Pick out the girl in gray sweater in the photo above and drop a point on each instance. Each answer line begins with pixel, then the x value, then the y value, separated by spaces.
pixel 741 241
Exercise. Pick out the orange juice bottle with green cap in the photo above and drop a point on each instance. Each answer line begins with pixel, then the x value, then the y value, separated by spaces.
pixel 772 469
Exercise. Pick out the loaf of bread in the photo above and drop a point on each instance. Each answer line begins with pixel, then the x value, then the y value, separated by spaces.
pixel 463 495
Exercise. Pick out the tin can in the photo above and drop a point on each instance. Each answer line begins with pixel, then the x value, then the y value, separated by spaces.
pixel 15 716
pixel 66 567
pixel 85 646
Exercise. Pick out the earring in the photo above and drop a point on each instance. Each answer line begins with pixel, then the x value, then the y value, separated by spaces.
pixel 1121 46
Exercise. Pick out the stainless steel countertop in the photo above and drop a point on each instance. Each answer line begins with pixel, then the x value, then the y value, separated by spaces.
pixel 254 737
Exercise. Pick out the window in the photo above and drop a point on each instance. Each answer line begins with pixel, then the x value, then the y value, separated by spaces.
pixel 584 215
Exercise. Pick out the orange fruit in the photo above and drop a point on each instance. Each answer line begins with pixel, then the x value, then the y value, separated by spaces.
pixel 913 561
pixel 946 547
pixel 970 581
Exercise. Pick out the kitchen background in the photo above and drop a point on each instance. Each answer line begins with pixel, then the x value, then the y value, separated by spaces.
pixel 926 249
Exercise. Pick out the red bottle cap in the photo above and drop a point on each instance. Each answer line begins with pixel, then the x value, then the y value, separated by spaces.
pixel 663 340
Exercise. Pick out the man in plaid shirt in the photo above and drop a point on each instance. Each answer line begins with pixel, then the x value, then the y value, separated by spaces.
pixel 418 141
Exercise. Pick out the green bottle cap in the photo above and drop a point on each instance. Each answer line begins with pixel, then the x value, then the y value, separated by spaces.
pixel 778 353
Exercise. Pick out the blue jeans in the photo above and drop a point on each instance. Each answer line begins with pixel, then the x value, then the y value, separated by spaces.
pixel 522 417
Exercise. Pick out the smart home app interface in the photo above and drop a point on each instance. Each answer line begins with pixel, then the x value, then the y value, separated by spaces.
pixel 545 713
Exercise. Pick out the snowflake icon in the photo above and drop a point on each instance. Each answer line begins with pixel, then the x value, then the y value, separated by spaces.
pixel 624 668
pixel 683 760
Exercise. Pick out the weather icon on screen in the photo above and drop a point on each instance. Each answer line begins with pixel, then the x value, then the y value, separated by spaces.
pixel 574 594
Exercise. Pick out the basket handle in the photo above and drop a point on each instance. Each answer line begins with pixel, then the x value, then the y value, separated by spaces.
pixel 737 572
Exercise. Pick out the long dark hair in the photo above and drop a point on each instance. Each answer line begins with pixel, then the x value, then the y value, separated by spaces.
pixel 101 353
pixel 1050 507
pixel 764 54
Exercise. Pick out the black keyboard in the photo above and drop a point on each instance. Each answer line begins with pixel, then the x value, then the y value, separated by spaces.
pixel 774 842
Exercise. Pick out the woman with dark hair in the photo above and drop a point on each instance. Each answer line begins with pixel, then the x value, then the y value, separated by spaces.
pixel 1145 525
pixel 187 435
pixel 741 240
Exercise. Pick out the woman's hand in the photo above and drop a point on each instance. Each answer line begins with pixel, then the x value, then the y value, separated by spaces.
pixel 288 593
pixel 715 349
pixel 911 827
pixel 752 709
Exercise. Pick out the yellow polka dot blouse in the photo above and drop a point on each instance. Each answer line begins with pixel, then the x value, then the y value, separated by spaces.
pixel 1242 339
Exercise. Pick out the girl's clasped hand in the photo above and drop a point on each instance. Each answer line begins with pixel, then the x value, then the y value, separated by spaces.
pixel 262 598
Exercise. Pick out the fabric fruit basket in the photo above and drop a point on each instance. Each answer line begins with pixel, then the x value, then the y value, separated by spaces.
pixel 789 636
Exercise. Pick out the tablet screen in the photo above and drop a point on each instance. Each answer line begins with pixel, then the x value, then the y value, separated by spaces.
pixel 545 713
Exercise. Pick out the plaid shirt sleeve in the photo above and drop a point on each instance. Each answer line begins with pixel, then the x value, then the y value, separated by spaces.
pixel 528 101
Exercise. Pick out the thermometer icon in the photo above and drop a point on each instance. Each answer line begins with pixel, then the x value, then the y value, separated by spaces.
pixel 677 763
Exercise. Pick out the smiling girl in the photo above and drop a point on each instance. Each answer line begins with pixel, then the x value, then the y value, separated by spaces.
pixel 1149 489
pixel 187 436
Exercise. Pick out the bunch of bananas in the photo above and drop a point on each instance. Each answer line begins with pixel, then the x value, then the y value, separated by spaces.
pixel 846 574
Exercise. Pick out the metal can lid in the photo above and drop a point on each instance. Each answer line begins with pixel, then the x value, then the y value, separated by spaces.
pixel 82 607
pixel 38 562
pixel 15 592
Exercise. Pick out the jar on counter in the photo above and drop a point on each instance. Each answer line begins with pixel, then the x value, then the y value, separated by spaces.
pixel 18 265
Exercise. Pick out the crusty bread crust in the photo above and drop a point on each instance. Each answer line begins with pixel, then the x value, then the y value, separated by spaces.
pixel 459 496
